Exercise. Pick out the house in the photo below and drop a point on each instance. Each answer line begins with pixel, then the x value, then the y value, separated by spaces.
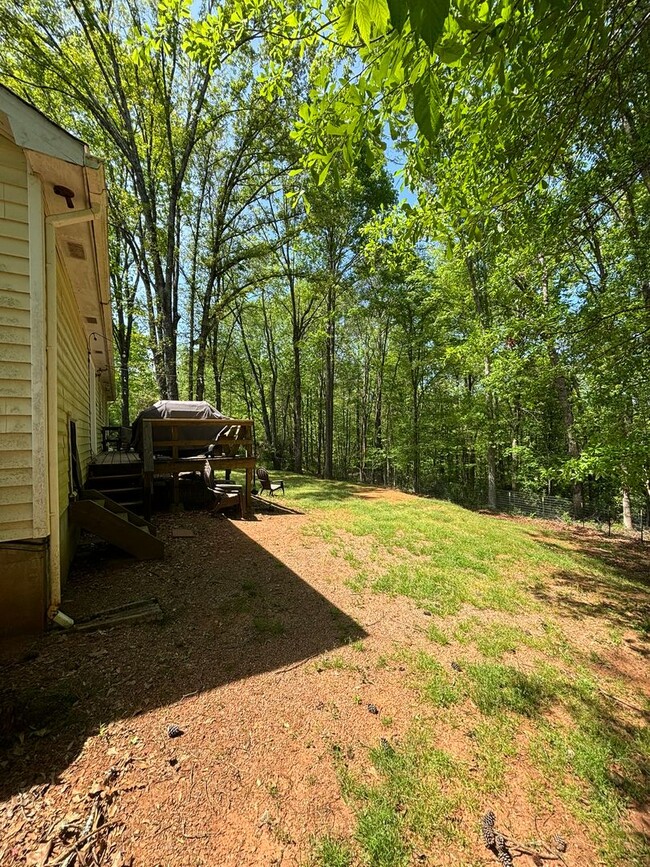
pixel 56 363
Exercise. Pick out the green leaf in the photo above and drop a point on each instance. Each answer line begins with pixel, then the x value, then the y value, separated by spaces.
pixel 323 175
pixel 450 52
pixel 369 13
pixel 428 19
pixel 345 24
pixel 332 129
pixel 364 22
pixel 368 155
pixel 426 109
pixel 398 13
pixel 379 14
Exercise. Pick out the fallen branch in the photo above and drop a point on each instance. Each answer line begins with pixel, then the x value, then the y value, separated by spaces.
pixel 525 850
pixel 624 703
pixel 72 850
pixel 295 665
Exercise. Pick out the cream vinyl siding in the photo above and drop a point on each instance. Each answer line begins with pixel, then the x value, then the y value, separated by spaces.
pixel 73 391
pixel 16 463
pixel 101 404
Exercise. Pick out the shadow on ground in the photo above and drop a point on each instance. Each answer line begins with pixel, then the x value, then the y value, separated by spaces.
pixel 622 597
pixel 232 611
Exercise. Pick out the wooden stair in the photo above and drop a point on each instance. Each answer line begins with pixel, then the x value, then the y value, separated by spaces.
pixel 121 482
pixel 115 523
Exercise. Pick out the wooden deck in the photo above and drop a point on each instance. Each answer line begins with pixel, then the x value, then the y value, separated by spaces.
pixel 115 458
pixel 237 436
pixel 165 466
pixel 198 435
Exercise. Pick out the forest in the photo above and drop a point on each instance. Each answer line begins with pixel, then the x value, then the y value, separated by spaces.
pixel 410 238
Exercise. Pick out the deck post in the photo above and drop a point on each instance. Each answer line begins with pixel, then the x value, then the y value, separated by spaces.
pixel 249 492
pixel 147 468
pixel 176 488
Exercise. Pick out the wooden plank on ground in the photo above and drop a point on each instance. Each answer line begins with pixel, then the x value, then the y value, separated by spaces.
pixel 272 504
pixel 144 610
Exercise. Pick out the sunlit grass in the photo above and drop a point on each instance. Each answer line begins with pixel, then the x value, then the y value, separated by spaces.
pixel 329 851
pixel 598 769
pixel 521 690
pixel 413 802
pixel 449 556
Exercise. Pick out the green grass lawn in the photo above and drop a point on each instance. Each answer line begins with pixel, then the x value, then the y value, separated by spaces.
pixel 482 580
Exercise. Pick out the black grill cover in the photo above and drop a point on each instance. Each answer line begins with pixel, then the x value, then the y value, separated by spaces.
pixel 189 409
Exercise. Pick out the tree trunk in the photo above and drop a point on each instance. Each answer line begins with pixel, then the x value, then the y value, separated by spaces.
pixel 378 441
pixel 319 451
pixel 563 394
pixel 216 371
pixel 125 388
pixel 269 428
pixel 297 403
pixel 573 448
pixel 416 445
pixel 328 444
pixel 491 457
pixel 202 340
pixel 627 509
pixel 154 342
pixel 491 452
pixel 477 279
pixel 415 418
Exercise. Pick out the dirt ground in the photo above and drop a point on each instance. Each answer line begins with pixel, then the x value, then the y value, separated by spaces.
pixel 253 611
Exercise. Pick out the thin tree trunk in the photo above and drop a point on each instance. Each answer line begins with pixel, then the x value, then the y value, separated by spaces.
pixel 328 445
pixel 627 508
pixel 378 435
pixel 216 369
pixel 563 394
pixel 297 403
pixel 319 452
pixel 481 303
pixel 491 457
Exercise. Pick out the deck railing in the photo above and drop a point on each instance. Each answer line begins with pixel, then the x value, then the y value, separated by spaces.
pixel 227 444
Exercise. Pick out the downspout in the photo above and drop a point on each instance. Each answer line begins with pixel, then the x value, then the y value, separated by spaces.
pixel 52 356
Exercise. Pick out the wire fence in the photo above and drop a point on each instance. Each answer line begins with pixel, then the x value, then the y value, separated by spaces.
pixel 562 509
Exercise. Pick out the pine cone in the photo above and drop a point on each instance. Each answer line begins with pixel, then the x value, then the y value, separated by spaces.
pixel 559 843
pixel 487 829
pixel 174 731
pixel 372 708
pixel 503 856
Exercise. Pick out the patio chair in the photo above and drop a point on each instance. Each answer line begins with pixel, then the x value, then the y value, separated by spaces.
pixel 225 495
pixel 267 484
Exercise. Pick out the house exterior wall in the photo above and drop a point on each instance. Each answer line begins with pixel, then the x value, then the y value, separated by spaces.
pixel 23 487
pixel 49 295
pixel 16 493
pixel 101 409
pixel 73 394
